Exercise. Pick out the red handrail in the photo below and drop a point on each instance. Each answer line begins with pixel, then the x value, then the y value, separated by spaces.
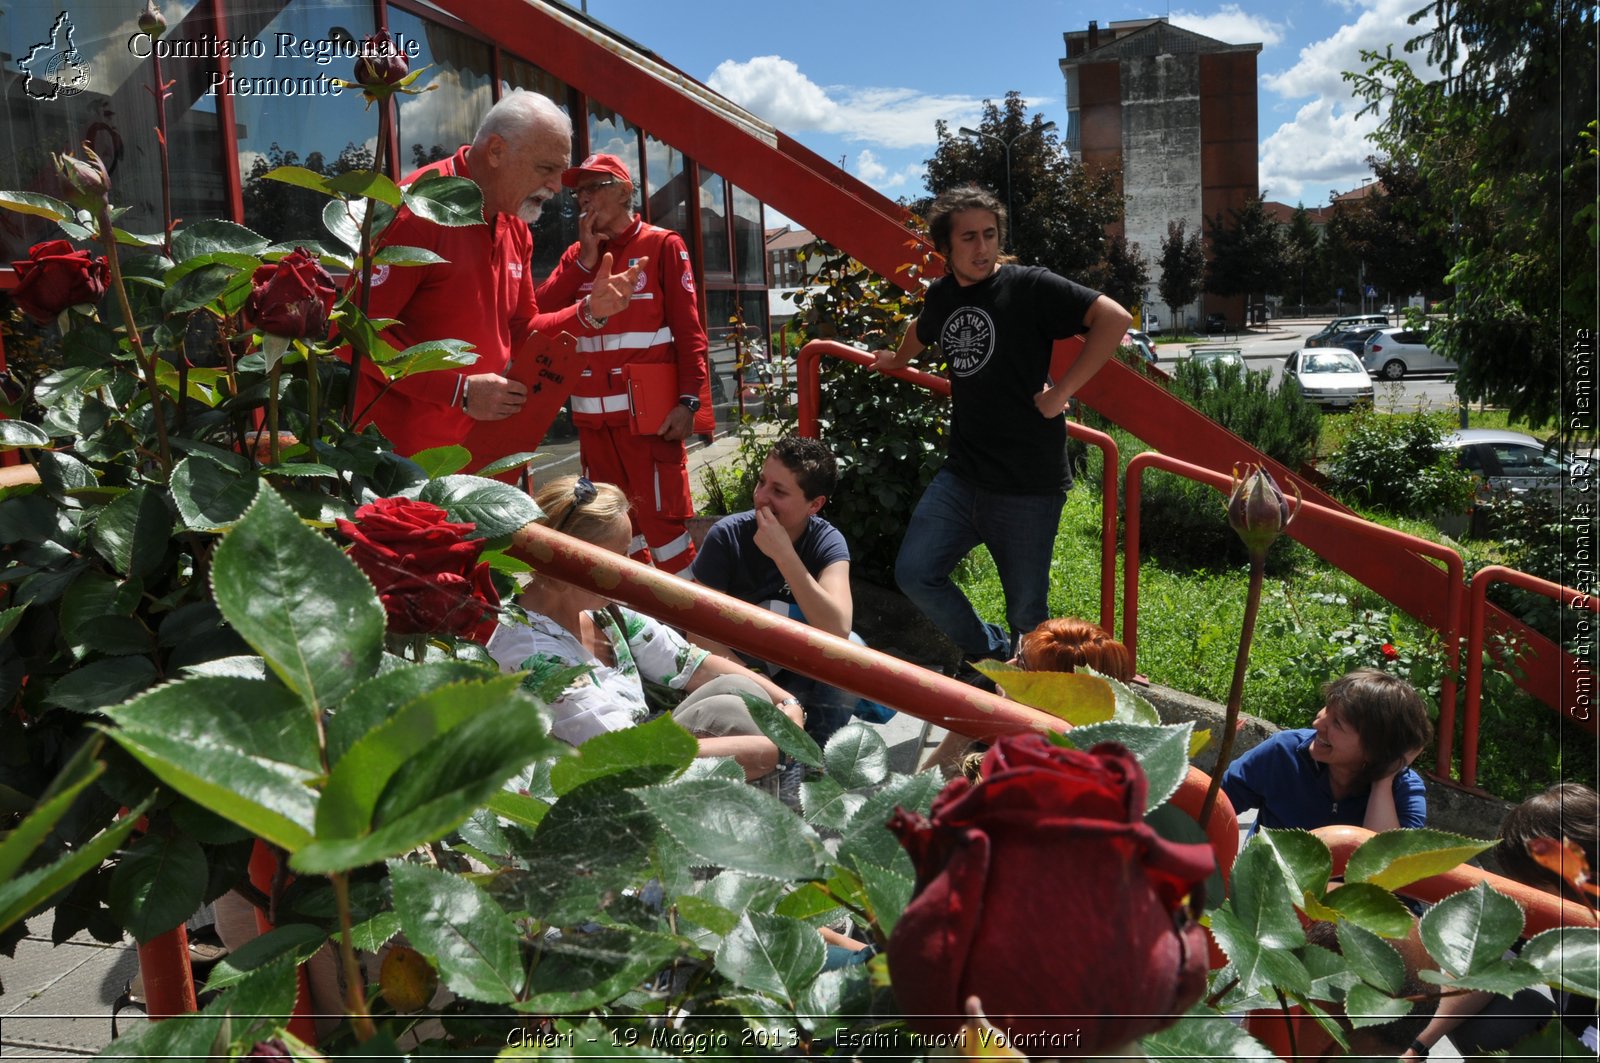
pixel 809 372
pixel 1582 710
pixel 1348 523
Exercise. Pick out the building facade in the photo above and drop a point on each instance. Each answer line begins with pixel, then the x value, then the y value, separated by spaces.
pixel 1173 112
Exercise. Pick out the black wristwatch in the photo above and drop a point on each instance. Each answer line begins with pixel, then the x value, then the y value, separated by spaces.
pixel 1419 1049
pixel 689 402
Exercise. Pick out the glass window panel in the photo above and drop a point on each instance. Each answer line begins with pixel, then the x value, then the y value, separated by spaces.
pixel 97 90
pixel 520 74
pixel 714 223
pixel 667 182
pixel 756 322
pixel 749 239
pixel 721 355
pixel 305 46
pixel 612 134
pixel 436 123
pixel 557 227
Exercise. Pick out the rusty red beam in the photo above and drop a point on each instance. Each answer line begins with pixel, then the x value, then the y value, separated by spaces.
pixel 1324 522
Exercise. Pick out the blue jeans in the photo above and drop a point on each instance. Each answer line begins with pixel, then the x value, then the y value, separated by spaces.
pixel 952 517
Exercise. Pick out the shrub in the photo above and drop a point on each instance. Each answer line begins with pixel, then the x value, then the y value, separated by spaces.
pixel 1396 463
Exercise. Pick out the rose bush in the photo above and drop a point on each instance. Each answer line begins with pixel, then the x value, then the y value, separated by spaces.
pixel 56 276
pixel 291 297
pixel 424 567
pixel 1041 891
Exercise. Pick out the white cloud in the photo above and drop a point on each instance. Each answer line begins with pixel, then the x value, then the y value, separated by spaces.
pixel 869 169
pixel 775 89
pixel 875 173
pixel 1319 68
pixel 1232 24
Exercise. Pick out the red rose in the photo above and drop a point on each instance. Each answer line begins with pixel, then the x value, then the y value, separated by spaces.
pixel 1388 651
pixel 291 297
pixel 382 65
pixel 1042 892
pixel 426 571
pixel 57 276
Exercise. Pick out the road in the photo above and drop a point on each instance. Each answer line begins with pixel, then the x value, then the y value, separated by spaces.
pixel 1267 348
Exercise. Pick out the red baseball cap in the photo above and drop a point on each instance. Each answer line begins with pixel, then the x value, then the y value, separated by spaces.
pixel 597 166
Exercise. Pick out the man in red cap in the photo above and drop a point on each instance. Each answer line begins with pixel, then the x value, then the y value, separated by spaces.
pixel 660 325
pixel 482 291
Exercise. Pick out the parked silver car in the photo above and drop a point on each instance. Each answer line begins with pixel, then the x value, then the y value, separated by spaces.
pixel 1330 377
pixel 1514 462
pixel 1394 352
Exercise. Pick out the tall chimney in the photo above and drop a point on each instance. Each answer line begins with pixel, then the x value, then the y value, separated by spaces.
pixel 1094 34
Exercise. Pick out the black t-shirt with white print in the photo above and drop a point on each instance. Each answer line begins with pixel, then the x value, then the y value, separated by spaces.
pixel 997 336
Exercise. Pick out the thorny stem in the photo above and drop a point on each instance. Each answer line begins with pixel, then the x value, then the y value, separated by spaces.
pixel 355 991
pixel 147 361
pixel 1230 723
pixel 1288 1022
pixel 364 287
pixel 161 94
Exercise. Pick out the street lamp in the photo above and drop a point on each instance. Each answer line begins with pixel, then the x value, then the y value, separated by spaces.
pixel 1006 144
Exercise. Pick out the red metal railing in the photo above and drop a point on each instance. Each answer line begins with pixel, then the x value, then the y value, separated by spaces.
pixel 1358 530
pixel 1580 710
pixel 809 370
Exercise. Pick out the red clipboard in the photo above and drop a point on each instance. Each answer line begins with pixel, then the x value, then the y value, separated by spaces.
pixel 549 365
pixel 652 394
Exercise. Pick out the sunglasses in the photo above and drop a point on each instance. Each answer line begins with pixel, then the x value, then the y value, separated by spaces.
pixel 597 186
pixel 583 492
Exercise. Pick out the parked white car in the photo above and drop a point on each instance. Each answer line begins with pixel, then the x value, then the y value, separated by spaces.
pixel 1394 352
pixel 1330 377
pixel 1514 462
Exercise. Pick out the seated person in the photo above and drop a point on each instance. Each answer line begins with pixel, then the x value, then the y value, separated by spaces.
pixel 1352 765
pixel 783 556
pixel 562 625
pixel 1478 1023
pixel 1063 644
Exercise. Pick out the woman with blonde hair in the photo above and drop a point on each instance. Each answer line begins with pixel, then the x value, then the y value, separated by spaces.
pixel 557 625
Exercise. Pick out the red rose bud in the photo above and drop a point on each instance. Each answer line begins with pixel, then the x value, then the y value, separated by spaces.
pixel 87 179
pixel 1388 650
pixel 424 567
pixel 381 66
pixel 291 297
pixel 1042 892
pixel 1257 509
pixel 57 276
pixel 151 21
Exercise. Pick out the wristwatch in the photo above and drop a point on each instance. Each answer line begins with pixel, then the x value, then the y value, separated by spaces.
pixel 689 402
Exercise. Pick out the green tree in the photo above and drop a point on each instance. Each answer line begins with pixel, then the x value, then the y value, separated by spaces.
pixel 1339 266
pixel 1246 252
pixel 1504 138
pixel 1183 266
pixel 1393 232
pixel 1301 280
pixel 1061 207
pixel 1124 275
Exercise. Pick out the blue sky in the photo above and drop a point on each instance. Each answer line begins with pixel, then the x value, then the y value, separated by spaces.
pixel 864 80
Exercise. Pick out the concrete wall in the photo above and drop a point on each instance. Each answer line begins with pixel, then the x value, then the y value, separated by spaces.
pixel 1161 151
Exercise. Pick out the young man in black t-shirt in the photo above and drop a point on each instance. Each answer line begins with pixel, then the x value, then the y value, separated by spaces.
pixel 1004 479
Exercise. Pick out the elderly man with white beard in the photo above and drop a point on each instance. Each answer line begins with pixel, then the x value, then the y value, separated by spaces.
pixel 482 292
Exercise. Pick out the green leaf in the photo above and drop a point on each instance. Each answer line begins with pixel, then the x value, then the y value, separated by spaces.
pixel 651 753
pixel 208 495
pixel 343 219
pixel 298 940
pixel 1366 1006
pixel 461 930
pixel 380 698
pixel 582 970
pixel 299 602
pixel 1260 903
pixel 1398 858
pixel 14 434
pixel 159 882
pixel 450 201
pixel 96 686
pixel 1567 957
pixel 595 841
pixel 9 618
pixel 367 183
pixel 1204 1034
pixel 406 256
pixel 40 206
pixel 198 288
pixel 1302 859
pixel 867 841
pixel 1505 977
pixel 507 463
pixel 1374 959
pixel 416 778
pixel 22 895
pixel 246 750
pixel 733 825
pixel 771 954
pixel 857 756
pixel 442 461
pixel 1371 907
pixel 889 893
pixel 1077 697
pixel 1553 1041
pixel 1163 752
pixel 300 177
pixel 1467 931
pixel 132 532
pixel 376 932
pixel 827 804
pixel 1257 964
pixel 497 509
pixel 789 736
pixel 21 841
pixel 212 236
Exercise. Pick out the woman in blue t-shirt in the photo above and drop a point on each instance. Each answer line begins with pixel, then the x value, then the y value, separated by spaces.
pixel 1352 765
